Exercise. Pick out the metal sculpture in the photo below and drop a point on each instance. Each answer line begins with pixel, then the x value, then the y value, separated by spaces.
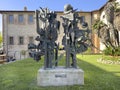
pixel 74 39
pixel 48 33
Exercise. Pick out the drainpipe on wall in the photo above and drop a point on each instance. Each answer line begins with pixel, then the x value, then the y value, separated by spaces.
pixel 3 34
pixel 6 37
pixel 92 49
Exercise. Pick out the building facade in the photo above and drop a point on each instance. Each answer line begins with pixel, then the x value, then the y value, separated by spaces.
pixel 19 29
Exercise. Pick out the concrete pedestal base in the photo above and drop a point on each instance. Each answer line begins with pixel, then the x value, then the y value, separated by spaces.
pixel 60 76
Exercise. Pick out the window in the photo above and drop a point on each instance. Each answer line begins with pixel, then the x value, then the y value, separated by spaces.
pixel 11 40
pixel 20 18
pixel 82 18
pixel 21 40
pixel 95 16
pixel 30 18
pixel 11 19
pixel 103 16
pixel 31 40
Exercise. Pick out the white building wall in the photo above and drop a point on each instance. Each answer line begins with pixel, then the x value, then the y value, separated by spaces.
pixel 118 1
pixel 103 18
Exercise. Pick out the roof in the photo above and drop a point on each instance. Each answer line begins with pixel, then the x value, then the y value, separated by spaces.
pixel 26 11
pixel 14 11
pixel 11 11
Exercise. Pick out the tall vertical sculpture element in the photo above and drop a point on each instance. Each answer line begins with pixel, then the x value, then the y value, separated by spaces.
pixel 74 39
pixel 47 31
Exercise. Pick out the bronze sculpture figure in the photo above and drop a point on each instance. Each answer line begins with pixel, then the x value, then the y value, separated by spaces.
pixel 74 40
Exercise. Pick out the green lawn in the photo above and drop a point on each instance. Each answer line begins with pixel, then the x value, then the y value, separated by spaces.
pixel 21 75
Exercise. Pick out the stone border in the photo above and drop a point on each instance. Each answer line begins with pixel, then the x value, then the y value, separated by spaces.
pixel 108 61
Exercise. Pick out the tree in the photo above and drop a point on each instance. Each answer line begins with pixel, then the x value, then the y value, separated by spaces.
pixel 109 32
pixel 23 52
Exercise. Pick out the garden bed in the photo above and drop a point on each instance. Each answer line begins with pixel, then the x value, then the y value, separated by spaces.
pixel 101 60
pixel 109 60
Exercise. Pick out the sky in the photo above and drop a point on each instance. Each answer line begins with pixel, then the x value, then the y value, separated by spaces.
pixel 54 5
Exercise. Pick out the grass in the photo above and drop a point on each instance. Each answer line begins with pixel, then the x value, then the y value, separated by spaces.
pixel 21 75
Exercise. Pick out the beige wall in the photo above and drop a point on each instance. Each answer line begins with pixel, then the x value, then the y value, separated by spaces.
pixel 16 30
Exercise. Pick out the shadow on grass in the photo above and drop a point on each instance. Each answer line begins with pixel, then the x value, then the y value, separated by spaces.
pixel 95 79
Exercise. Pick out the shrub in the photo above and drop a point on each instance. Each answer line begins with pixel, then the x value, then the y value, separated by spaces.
pixel 88 51
pixel 108 51
pixel 111 51
pixel 23 52
pixel 117 51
